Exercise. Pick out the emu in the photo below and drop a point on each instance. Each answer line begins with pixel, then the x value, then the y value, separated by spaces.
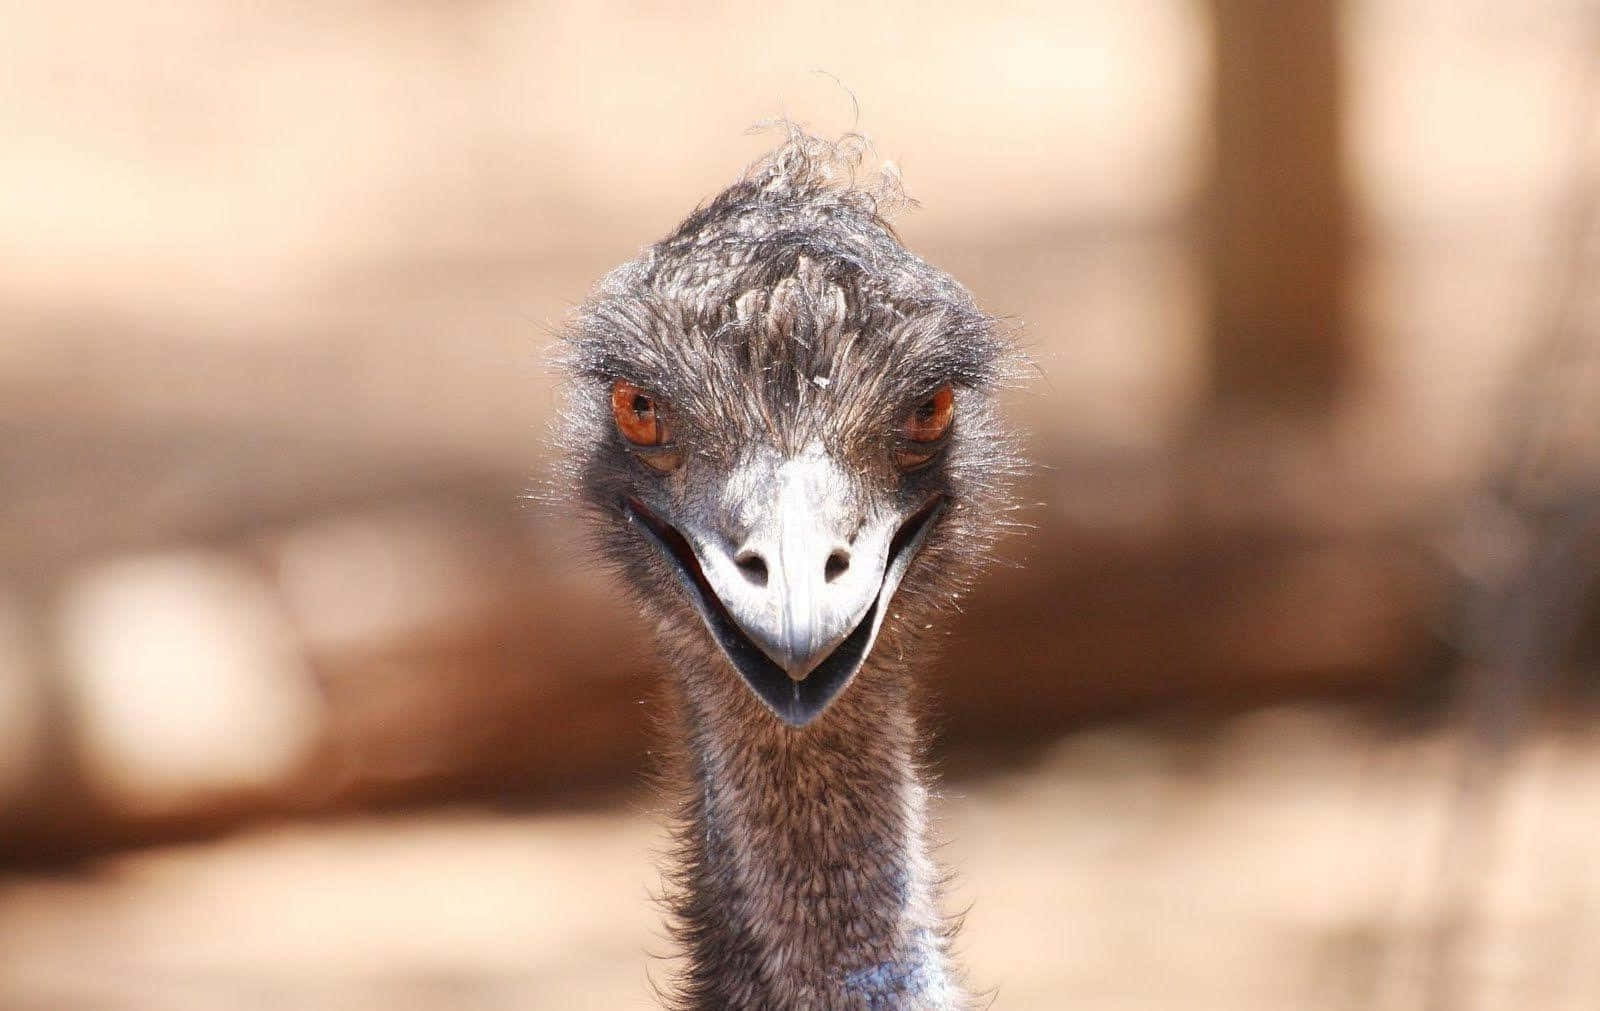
pixel 781 423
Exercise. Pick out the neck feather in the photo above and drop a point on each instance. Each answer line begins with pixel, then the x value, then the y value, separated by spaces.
pixel 804 879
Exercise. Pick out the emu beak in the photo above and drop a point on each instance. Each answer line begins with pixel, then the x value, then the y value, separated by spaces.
pixel 796 604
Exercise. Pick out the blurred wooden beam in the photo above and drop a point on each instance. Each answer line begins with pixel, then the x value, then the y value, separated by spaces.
pixel 1278 260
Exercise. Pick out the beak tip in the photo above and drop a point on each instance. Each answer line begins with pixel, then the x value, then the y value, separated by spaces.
pixel 794 661
pixel 798 652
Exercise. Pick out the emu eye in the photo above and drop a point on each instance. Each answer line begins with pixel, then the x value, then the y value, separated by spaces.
pixel 643 422
pixel 922 433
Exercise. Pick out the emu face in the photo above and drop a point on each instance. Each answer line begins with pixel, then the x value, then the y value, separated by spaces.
pixel 790 563
pixel 781 418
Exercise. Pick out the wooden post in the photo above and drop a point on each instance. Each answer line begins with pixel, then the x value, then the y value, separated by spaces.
pixel 1278 259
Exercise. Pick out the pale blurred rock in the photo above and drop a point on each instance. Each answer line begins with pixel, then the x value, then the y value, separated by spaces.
pixel 21 705
pixel 362 582
pixel 186 682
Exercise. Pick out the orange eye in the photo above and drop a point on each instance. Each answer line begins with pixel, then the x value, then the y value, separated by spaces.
pixel 639 417
pixel 926 425
pixel 643 422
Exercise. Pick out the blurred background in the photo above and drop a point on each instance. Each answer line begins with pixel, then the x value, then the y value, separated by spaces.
pixel 1289 704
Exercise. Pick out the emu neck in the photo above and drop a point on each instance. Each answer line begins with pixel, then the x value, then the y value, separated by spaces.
pixel 806 878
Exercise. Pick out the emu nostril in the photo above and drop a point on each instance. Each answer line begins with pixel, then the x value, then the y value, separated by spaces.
pixel 753 566
pixel 838 562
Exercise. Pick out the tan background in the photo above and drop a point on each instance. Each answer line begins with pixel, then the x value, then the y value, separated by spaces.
pixel 303 704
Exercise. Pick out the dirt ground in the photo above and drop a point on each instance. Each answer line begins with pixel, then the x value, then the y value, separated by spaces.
pixel 1289 858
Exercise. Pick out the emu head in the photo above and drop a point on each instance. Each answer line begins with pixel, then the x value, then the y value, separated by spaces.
pixel 781 419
